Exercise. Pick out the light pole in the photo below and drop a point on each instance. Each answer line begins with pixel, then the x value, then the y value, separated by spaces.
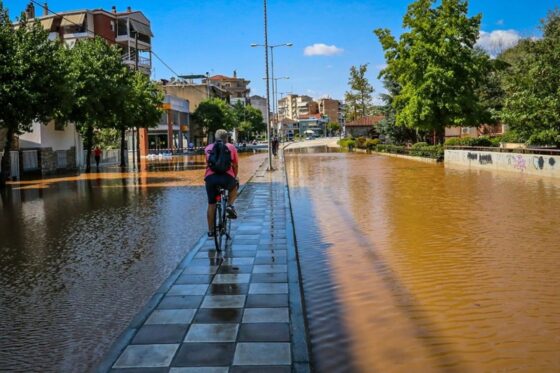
pixel 275 95
pixel 266 47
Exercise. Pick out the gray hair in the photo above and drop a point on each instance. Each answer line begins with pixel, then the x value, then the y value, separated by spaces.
pixel 222 135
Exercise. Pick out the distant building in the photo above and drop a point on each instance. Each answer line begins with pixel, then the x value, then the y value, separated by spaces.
pixel 332 110
pixel 485 129
pixel 236 87
pixel 172 132
pixel 364 126
pixel 194 94
pixel 259 102
pixel 295 106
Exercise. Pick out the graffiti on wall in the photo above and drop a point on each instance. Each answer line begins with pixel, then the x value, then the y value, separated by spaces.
pixel 485 159
pixel 518 162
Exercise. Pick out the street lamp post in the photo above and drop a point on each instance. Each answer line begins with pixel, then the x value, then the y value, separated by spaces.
pixel 266 47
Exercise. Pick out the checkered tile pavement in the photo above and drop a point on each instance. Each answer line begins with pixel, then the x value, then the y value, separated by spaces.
pixel 228 312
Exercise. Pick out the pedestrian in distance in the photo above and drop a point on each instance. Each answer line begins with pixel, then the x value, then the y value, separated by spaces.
pixel 97 156
pixel 275 146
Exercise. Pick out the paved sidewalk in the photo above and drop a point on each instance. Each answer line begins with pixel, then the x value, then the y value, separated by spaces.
pixel 236 312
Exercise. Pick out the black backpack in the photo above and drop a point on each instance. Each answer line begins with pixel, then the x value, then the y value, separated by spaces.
pixel 219 160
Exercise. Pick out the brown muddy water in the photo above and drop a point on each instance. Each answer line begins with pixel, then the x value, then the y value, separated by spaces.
pixel 413 267
pixel 80 256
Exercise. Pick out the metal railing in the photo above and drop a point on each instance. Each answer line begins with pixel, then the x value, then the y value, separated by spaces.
pixel 540 151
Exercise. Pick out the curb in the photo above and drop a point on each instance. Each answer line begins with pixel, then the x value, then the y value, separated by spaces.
pixel 130 331
pixel 301 345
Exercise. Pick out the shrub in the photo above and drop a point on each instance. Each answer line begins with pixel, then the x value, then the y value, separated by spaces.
pixel 420 145
pixel 513 137
pixel 372 143
pixel 544 138
pixel 361 142
pixel 469 141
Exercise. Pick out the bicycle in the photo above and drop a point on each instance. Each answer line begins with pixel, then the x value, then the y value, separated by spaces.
pixel 222 224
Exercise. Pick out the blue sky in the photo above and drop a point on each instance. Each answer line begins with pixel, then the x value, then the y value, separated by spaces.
pixel 196 36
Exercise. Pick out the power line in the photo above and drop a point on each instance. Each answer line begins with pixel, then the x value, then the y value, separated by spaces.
pixel 164 64
pixel 96 34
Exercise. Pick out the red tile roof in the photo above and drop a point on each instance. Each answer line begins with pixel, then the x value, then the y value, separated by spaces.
pixel 367 121
pixel 220 77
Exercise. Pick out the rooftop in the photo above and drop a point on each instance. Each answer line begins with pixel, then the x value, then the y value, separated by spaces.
pixel 367 121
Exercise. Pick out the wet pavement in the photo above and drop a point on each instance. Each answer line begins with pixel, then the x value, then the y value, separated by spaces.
pixel 81 255
pixel 408 266
pixel 236 311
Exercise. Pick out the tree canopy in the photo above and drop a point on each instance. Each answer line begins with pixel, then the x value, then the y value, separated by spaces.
pixel 358 99
pixel 436 65
pixel 248 120
pixel 213 114
pixel 33 80
pixel 532 102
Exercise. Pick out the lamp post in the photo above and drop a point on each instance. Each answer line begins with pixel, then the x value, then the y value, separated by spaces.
pixel 275 95
pixel 266 47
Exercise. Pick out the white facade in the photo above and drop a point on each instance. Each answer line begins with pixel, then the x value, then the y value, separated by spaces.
pixel 47 136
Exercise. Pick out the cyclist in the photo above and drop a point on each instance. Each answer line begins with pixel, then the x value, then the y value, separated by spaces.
pixel 215 180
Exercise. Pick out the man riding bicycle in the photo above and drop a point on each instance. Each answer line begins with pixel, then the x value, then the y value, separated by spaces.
pixel 222 166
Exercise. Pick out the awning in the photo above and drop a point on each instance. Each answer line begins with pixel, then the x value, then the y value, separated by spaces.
pixel 141 28
pixel 73 19
pixel 47 23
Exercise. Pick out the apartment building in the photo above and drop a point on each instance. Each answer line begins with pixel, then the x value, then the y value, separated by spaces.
pixel 50 148
pixel 332 110
pixel 295 106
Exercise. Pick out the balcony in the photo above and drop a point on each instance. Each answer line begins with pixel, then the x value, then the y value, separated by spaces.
pixel 144 64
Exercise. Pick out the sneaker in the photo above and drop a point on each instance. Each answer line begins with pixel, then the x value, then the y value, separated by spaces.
pixel 231 213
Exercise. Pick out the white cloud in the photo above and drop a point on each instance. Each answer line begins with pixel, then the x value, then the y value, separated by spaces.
pixel 500 22
pixel 497 41
pixel 381 66
pixel 320 49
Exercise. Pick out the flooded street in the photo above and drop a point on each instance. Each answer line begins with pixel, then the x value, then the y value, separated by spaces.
pixel 408 266
pixel 80 256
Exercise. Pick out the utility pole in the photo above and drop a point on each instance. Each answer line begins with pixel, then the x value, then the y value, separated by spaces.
pixel 138 129
pixel 267 89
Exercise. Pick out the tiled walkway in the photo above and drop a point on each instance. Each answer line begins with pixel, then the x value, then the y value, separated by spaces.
pixel 236 312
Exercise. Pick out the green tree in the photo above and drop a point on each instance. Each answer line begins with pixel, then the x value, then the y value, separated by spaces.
pixel 333 127
pixel 248 120
pixel 213 114
pixel 392 132
pixel 100 88
pixel 532 103
pixel 358 99
pixel 141 106
pixel 436 65
pixel 33 84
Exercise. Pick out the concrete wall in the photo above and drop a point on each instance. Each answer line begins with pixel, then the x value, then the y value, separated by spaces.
pixel 532 164
pixel 47 136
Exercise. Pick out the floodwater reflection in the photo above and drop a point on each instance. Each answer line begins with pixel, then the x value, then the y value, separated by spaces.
pixel 429 269
pixel 80 255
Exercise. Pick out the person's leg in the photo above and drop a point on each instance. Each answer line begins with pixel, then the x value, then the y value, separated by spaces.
pixel 210 215
pixel 211 192
pixel 232 186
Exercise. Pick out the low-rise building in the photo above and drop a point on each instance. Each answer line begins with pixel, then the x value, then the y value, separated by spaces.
pixel 482 130
pixel 172 134
pixel 363 126
pixel 238 88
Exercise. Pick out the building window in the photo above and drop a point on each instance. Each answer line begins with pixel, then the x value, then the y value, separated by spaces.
pixel 58 126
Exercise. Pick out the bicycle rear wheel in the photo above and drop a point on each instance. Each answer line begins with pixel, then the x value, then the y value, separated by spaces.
pixel 218 227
